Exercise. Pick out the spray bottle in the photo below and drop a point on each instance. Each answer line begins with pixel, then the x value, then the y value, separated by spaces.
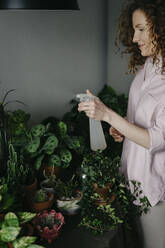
pixel 97 139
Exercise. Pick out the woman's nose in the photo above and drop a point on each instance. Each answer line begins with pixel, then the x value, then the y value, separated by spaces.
pixel 135 38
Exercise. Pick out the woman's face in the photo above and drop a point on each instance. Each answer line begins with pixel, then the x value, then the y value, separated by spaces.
pixel 142 33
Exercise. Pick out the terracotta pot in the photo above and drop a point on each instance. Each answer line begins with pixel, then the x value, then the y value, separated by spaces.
pixel 39 206
pixel 48 170
pixel 103 194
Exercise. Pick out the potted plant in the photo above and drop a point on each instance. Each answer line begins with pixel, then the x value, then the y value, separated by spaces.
pixel 11 234
pixel 68 196
pixel 5 132
pixel 69 146
pixel 104 210
pixel 41 200
pixel 48 224
pixel 50 181
pixel 39 144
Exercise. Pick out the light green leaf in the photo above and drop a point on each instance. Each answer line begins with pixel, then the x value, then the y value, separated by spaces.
pixel 25 216
pixel 23 242
pixel 9 234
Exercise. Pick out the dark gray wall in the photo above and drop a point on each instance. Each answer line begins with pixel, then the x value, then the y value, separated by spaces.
pixel 48 57
pixel 116 65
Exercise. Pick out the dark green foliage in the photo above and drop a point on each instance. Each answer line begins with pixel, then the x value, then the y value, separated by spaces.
pixel 40 196
pixel 103 170
pixel 17 121
pixel 67 189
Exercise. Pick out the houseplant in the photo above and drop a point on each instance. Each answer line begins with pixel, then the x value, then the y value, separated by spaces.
pixel 5 133
pixel 11 231
pixel 68 195
pixel 69 146
pixel 48 184
pixel 48 224
pixel 39 144
pixel 41 200
pixel 116 206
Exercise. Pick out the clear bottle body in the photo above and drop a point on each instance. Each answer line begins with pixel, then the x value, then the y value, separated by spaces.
pixel 97 139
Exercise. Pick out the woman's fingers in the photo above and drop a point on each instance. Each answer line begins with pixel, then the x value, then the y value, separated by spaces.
pixel 89 92
pixel 120 139
pixel 117 136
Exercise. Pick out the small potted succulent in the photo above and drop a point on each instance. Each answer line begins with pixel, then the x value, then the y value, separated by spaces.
pixel 41 200
pixel 48 224
pixel 68 196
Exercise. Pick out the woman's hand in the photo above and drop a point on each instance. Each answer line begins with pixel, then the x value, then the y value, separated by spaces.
pixel 118 137
pixel 94 109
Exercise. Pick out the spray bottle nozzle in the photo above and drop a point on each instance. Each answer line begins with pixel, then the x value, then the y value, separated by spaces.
pixel 84 97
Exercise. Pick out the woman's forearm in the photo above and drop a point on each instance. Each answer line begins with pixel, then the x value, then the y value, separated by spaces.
pixel 135 133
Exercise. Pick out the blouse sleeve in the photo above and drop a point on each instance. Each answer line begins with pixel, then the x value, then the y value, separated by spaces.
pixel 157 131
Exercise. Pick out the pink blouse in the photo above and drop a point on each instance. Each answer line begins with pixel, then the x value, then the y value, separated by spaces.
pixel 146 108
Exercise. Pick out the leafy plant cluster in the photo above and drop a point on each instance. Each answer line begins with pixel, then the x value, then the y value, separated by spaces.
pixel 65 143
pixel 100 169
pixel 10 231
pixel 67 189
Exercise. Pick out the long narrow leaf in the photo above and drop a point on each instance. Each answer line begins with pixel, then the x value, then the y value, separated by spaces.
pixel 14 101
pixel 8 92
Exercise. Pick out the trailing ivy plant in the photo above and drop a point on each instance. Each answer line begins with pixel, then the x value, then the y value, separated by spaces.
pixel 118 207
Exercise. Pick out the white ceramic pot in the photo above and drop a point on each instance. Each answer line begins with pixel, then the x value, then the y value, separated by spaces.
pixel 70 206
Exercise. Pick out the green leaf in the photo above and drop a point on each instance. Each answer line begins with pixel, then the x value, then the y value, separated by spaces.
pixel 54 160
pixel 62 128
pixel 33 145
pixel 23 242
pixel 11 220
pixel 50 144
pixel 9 234
pixel 38 130
pixel 25 216
pixel 38 162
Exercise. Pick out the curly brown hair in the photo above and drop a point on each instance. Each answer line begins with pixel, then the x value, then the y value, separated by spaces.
pixel 154 11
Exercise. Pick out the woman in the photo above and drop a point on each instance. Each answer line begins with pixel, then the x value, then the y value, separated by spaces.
pixel 142 32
